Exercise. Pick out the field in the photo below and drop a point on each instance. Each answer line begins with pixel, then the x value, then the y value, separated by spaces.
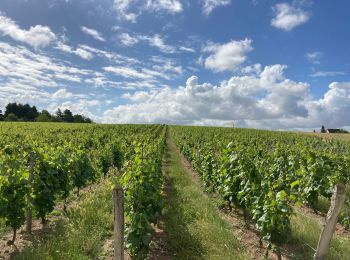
pixel 190 192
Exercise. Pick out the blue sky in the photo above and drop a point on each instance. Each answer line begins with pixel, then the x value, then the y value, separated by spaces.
pixel 254 63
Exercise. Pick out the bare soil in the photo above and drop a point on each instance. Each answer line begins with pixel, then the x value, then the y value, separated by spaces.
pixel 24 239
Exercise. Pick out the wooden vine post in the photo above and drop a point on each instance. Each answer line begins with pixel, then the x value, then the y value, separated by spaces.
pixel 118 202
pixel 29 199
pixel 337 202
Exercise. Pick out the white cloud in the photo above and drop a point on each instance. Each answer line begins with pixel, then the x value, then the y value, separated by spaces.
pixel 158 42
pixel 72 78
pixel 228 56
pixel 167 66
pixel 62 94
pixel 327 73
pixel 111 56
pixel 188 49
pixel 153 40
pixel 128 72
pixel 246 97
pixel 252 69
pixel 22 69
pixel 264 100
pixel 314 57
pixel 36 36
pixel 95 34
pixel 122 9
pixel 171 6
pixel 210 5
pixel 82 53
pixel 78 106
pixel 288 16
pixel 144 73
pixel 130 9
pixel 139 96
pixel 128 40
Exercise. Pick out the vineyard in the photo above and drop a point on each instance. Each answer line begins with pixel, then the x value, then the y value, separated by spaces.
pixel 43 164
pixel 266 175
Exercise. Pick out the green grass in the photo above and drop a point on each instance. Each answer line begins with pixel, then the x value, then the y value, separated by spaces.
pixel 304 238
pixel 193 224
pixel 3 227
pixel 82 234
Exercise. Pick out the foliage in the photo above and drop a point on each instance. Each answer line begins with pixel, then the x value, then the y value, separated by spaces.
pixel 20 112
pixel 67 157
pixel 265 173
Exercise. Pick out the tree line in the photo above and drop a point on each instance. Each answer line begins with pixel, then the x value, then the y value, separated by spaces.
pixel 27 113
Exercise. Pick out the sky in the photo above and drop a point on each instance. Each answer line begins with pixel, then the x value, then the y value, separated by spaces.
pixel 252 63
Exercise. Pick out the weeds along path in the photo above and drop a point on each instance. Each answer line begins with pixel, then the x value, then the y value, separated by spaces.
pixel 193 226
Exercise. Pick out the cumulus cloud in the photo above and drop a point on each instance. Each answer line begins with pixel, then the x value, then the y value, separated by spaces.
pixel 287 16
pixel 93 33
pixel 331 110
pixel 210 5
pixel 228 56
pixel 37 36
pixel 265 100
pixel 267 95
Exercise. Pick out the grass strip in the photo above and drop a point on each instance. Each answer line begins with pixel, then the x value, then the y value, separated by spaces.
pixel 82 233
pixel 192 223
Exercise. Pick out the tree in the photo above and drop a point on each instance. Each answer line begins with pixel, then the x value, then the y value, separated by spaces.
pixel 44 116
pixel 31 113
pixel 22 112
pixel 68 116
pixel 323 129
pixel 58 117
pixel 59 113
pixel 79 118
pixel 87 120
pixel 11 117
